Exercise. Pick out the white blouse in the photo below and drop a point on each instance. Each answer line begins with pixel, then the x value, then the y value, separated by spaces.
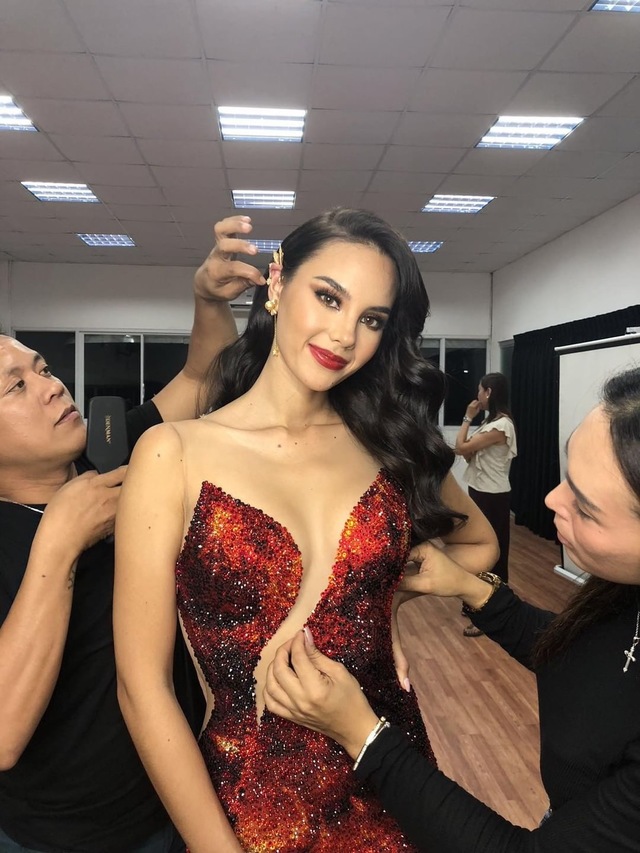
pixel 488 469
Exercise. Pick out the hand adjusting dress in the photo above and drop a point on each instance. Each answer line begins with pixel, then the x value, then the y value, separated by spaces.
pixel 286 789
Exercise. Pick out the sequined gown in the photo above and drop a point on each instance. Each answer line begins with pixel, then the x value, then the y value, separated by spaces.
pixel 284 788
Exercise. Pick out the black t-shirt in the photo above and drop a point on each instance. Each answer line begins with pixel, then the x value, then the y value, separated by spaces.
pixel 79 784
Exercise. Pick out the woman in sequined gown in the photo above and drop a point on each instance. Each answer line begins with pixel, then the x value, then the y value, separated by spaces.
pixel 293 502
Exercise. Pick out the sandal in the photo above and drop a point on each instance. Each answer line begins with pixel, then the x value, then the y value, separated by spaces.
pixel 472 631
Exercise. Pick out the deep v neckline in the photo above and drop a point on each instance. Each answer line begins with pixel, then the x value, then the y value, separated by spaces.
pixel 285 530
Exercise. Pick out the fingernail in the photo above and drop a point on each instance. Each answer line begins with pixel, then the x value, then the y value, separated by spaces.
pixel 253 250
pixel 407 685
pixel 308 636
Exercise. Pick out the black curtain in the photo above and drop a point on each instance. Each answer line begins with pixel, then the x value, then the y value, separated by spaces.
pixel 534 394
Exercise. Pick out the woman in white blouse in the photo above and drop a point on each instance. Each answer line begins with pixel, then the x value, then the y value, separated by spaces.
pixel 489 452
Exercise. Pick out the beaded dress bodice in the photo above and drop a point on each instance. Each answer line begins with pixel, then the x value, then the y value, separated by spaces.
pixel 284 788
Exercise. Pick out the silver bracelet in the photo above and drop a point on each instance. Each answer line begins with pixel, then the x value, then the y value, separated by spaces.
pixel 466 420
pixel 373 734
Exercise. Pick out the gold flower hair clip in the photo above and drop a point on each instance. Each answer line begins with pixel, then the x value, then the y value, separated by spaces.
pixel 278 256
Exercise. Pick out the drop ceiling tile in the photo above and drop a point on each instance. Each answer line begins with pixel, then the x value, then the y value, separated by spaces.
pixel 260 84
pixel 216 200
pixel 262 155
pixel 406 182
pixel 499 40
pixel 628 167
pixel 605 134
pixel 310 203
pixel 158 231
pixel 98 118
pixel 531 5
pixel 494 161
pixel 341 87
pixel 51 76
pixel 180 176
pixel 114 174
pixel 587 48
pixel 156 81
pixel 316 179
pixel 362 35
pixel 450 91
pixel 147 28
pixel 287 30
pixel 142 213
pixel 416 158
pixel 38 170
pixel 40 25
pixel 128 195
pixel 576 164
pixel 97 149
pixel 350 126
pixel 626 104
pixel 457 131
pixel 156 121
pixel 555 93
pixel 261 179
pixel 485 185
pixel 336 156
pixel 196 154
pixel 27 146
pixel 392 201
pixel 87 213
pixel 203 212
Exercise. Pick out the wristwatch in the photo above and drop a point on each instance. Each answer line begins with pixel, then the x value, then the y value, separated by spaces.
pixel 466 420
pixel 494 580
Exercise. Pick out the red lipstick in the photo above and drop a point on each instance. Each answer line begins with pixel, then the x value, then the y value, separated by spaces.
pixel 327 359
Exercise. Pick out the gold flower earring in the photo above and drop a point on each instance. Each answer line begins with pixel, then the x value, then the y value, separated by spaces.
pixel 271 305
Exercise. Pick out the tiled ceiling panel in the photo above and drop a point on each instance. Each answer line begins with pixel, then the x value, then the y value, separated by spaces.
pixel 398 92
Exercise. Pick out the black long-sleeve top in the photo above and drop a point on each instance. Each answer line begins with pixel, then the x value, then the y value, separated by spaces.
pixel 589 755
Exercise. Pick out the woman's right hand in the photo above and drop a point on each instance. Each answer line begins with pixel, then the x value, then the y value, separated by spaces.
pixel 434 573
pixel 473 408
pixel 310 689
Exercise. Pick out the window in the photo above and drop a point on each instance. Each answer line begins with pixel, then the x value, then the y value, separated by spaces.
pixel 464 361
pixel 134 366
pixel 59 351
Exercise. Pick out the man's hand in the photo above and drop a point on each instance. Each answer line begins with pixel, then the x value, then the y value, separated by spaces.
pixel 83 511
pixel 221 277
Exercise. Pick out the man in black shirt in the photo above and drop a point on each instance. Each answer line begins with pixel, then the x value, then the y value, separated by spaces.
pixel 70 778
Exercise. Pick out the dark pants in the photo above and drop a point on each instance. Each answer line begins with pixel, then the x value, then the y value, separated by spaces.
pixel 165 841
pixel 497 510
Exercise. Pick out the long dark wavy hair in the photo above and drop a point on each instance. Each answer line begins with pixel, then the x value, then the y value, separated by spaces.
pixel 600 599
pixel 499 397
pixel 390 405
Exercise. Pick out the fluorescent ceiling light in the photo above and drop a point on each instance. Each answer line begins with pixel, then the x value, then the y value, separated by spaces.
pixel 12 117
pixel 264 125
pixel 529 131
pixel 47 191
pixel 106 239
pixel 267 245
pixel 424 246
pixel 457 203
pixel 280 200
pixel 618 6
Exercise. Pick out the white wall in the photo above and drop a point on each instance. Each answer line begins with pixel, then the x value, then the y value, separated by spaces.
pixel 5 301
pixel 460 304
pixel 128 298
pixel 591 270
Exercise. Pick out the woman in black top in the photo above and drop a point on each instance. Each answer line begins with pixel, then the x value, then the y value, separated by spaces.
pixel 586 659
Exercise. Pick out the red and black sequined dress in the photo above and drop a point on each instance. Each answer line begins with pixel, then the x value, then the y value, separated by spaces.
pixel 286 789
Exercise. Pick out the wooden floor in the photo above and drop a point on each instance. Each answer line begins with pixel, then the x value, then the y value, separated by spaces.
pixel 480 706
